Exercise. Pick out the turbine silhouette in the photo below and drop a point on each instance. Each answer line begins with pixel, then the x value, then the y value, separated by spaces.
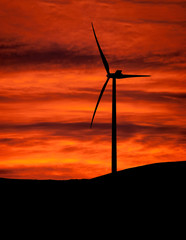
pixel 118 74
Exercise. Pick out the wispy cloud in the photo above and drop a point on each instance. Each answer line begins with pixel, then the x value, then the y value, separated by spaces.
pixel 73 129
pixel 91 94
pixel 152 61
pixel 48 171
pixel 57 1
pixel 156 2
pixel 54 56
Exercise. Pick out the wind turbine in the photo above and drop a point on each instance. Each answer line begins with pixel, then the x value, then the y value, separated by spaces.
pixel 117 75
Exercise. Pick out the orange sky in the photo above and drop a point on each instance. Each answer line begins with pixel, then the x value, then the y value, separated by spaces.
pixel 51 75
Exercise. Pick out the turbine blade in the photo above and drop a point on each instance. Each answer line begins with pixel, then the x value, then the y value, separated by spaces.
pixel 131 76
pixel 101 93
pixel 101 52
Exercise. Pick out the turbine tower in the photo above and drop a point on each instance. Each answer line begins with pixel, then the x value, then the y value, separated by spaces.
pixel 117 75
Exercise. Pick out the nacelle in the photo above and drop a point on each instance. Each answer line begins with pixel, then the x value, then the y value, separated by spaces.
pixel 118 72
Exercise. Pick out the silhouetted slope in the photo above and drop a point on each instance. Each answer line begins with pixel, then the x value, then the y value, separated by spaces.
pixel 138 198
pixel 158 179
pixel 154 177
pixel 165 172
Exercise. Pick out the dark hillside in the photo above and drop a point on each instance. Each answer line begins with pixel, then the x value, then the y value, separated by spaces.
pixel 159 178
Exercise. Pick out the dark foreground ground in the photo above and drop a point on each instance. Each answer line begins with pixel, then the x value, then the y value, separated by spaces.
pixel 150 195
pixel 154 178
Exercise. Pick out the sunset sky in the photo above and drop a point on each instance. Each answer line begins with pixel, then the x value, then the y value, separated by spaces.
pixel 51 75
